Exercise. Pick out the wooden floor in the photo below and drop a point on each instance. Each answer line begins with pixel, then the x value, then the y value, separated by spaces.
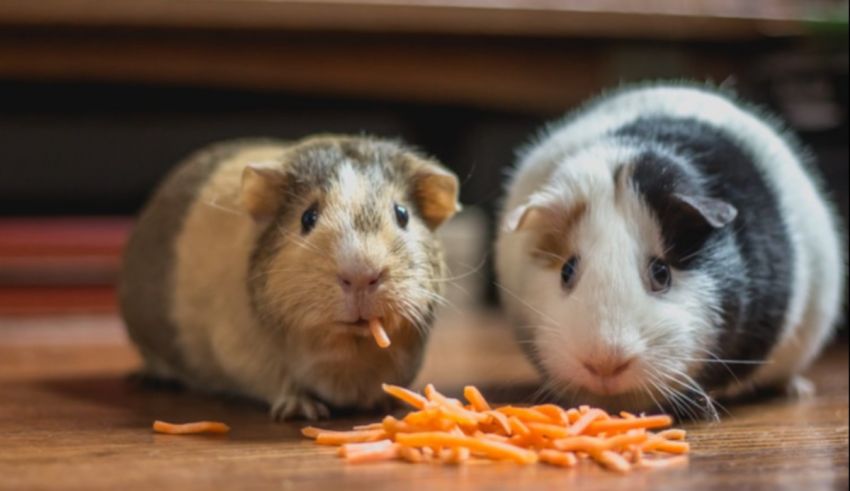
pixel 69 419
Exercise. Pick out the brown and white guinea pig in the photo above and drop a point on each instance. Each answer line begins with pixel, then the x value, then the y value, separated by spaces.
pixel 256 264
pixel 665 245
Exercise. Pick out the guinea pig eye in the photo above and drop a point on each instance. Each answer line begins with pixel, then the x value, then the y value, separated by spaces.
pixel 402 216
pixel 569 273
pixel 309 219
pixel 660 275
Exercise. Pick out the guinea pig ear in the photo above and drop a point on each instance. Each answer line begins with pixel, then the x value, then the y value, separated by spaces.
pixel 524 217
pixel 714 212
pixel 262 189
pixel 436 193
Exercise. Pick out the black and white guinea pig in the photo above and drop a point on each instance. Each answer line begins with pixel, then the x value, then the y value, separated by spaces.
pixel 666 245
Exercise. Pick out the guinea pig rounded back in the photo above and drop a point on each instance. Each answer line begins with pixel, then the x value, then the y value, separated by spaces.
pixel 256 268
pixel 665 245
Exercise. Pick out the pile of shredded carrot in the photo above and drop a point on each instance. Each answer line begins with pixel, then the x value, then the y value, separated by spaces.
pixel 446 430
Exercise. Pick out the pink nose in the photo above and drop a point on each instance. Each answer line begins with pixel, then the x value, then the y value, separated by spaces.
pixel 607 368
pixel 362 279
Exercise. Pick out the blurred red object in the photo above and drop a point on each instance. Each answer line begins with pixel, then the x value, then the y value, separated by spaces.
pixel 60 265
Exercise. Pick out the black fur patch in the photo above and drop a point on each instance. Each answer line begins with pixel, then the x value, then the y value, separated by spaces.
pixel 751 258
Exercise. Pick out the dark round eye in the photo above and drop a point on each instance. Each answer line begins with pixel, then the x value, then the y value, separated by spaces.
pixel 660 276
pixel 569 273
pixel 309 219
pixel 402 216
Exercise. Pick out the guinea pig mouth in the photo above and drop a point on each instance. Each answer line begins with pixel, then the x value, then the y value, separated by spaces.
pixel 358 324
pixel 360 327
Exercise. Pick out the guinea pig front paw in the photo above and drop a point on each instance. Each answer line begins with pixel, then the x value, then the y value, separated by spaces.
pixel 294 404
pixel 800 388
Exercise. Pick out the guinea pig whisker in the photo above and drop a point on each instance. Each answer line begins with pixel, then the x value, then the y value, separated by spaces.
pixel 524 302
pixel 682 404
pixel 213 203
pixel 672 393
pixel 689 383
pixel 559 258
pixel 725 362
pixel 303 243
pixel 472 271
pixel 651 394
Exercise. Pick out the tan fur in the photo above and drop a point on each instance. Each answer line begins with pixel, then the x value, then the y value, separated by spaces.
pixel 553 229
pixel 256 303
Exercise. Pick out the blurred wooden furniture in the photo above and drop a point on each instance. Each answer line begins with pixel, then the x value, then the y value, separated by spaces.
pixel 514 54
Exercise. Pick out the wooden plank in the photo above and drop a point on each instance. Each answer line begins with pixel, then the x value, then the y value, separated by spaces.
pixel 664 19
pixel 531 76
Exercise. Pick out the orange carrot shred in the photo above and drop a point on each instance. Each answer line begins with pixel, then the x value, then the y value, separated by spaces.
pixel 664 462
pixel 673 434
pixel 342 437
pixel 610 425
pixel 473 395
pixel 194 428
pixel 357 453
pixel 496 450
pixel 518 427
pixel 405 395
pixel 378 332
pixel 555 413
pixel 555 457
pixel 525 414
pixel 586 419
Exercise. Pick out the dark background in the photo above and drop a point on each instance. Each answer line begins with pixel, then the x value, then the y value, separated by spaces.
pixel 93 138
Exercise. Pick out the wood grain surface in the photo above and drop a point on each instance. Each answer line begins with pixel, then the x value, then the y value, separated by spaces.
pixel 666 19
pixel 70 419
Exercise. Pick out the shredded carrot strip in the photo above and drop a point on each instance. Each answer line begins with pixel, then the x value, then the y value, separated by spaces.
pixel 502 420
pixel 673 434
pixel 526 415
pixel 613 461
pixel 473 395
pixel 618 425
pixel 410 454
pixel 371 426
pixel 377 451
pixel 190 428
pixel 555 413
pixel 349 448
pixel 311 431
pixel 586 419
pixel 518 427
pixel 444 430
pixel 343 437
pixel 664 463
pixel 555 457
pixel 496 450
pixel 378 332
pixel 405 395
pixel 548 430
pixel 668 446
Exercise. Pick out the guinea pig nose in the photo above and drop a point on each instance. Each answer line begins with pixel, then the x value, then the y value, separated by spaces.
pixel 361 279
pixel 610 368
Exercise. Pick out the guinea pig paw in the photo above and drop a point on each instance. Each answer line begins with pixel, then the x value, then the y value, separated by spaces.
pixel 294 405
pixel 800 388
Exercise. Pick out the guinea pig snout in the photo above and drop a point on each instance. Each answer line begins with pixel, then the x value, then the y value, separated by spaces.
pixel 360 278
pixel 610 367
